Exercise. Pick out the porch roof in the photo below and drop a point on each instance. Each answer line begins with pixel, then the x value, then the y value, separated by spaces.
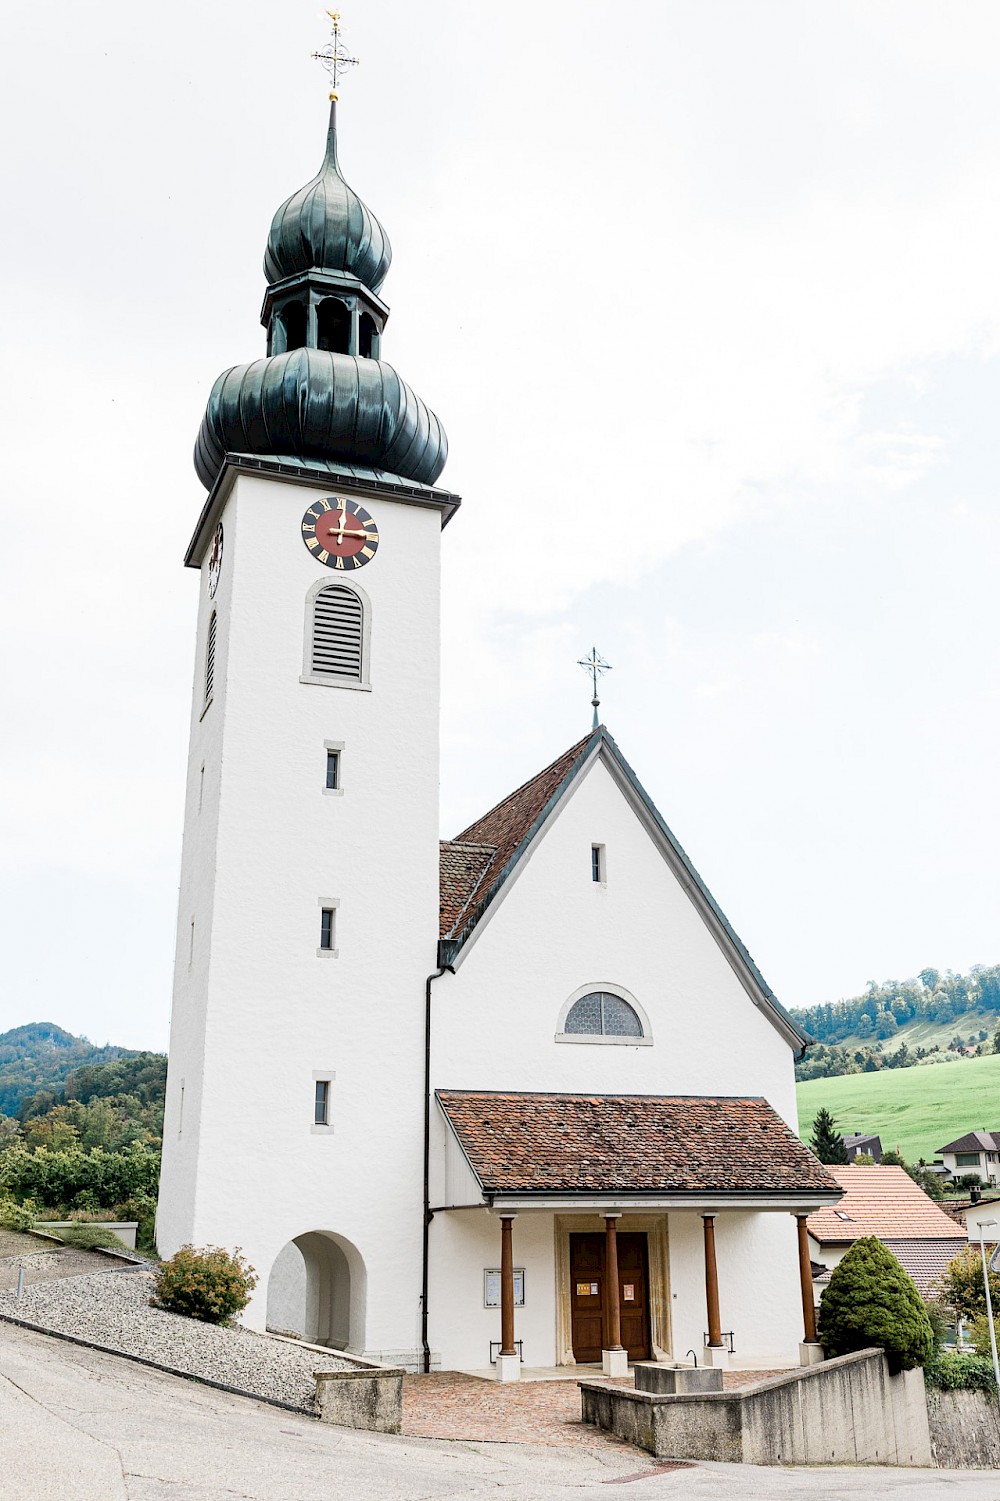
pixel 676 1147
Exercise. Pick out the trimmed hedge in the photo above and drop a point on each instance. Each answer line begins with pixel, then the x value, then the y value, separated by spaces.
pixel 957 1371
pixel 870 1300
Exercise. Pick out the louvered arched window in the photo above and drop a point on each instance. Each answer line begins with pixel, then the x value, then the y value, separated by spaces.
pixel 210 659
pixel 337 642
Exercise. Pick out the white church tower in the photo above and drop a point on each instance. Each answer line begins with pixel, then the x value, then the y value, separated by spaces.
pixel 308 900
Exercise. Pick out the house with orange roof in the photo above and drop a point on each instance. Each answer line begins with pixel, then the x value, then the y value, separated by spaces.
pixel 884 1202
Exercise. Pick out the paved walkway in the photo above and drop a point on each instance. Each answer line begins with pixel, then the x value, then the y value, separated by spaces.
pixel 458 1405
pixel 77 1425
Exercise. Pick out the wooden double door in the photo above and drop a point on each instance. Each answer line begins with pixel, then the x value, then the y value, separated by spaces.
pixel 588 1295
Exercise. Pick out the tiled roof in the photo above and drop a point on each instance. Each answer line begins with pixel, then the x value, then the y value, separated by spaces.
pixel 569 1143
pixel 974 1141
pixel 463 866
pixel 880 1201
pixel 925 1260
pixel 477 858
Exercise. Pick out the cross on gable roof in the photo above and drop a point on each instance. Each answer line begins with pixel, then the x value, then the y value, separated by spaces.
pixel 476 866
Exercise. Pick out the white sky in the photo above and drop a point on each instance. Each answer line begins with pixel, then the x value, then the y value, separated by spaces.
pixel 727 268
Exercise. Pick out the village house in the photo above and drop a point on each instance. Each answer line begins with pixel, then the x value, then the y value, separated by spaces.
pixel 884 1202
pixel 976 1154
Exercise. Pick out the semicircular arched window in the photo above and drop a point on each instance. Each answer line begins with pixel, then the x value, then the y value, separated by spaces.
pixel 601 1014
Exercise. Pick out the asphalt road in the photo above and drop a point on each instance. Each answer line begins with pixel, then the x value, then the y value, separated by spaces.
pixel 76 1425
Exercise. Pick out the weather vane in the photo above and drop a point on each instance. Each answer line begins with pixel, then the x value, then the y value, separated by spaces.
pixel 334 56
pixel 595 665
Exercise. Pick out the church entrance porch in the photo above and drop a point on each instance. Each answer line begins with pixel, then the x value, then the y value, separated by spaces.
pixel 317 1291
pixel 590 1295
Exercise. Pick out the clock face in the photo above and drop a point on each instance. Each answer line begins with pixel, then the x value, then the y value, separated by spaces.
pixel 215 563
pixel 339 533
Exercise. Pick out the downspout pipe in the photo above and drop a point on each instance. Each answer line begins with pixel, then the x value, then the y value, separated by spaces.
pixel 425 1247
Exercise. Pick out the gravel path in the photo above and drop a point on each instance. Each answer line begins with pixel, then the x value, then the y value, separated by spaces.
pixel 111 1309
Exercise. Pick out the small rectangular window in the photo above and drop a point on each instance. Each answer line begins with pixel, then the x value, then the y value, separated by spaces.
pixel 333 770
pixel 597 862
pixel 321 1110
pixel 326 928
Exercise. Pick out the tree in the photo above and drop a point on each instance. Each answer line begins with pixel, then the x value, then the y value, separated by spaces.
pixel 885 1024
pixel 826 1141
pixel 930 978
pixel 870 1300
pixel 862 1159
pixel 865 1025
pixel 962 1287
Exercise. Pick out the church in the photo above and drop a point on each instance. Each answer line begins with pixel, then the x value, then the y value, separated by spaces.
pixel 518 1099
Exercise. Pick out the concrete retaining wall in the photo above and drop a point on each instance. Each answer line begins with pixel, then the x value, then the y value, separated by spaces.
pixel 964 1429
pixel 368 1397
pixel 844 1411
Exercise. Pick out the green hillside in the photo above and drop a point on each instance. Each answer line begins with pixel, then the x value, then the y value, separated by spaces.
pixel 918 1108
pixel 42 1055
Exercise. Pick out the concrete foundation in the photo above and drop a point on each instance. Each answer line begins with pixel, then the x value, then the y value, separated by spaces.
pixel 717 1356
pixel 844 1411
pixel 369 1398
pixel 614 1362
pixel 508 1368
pixel 810 1354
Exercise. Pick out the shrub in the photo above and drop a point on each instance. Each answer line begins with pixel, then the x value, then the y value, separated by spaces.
pixel 15 1216
pixel 869 1301
pixel 956 1371
pixel 962 1284
pixel 979 1334
pixel 210 1284
pixel 87 1237
pixel 940 1323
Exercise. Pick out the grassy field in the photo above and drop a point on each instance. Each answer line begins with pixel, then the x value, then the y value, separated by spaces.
pixel 918 1108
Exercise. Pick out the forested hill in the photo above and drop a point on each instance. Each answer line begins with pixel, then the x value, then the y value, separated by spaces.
pixel 883 1009
pixel 41 1056
pixel 936 1018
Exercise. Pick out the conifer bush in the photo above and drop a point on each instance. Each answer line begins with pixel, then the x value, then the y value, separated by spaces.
pixel 210 1283
pixel 871 1301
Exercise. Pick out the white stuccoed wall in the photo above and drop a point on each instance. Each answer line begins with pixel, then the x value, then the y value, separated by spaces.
pixel 257 1012
pixel 555 931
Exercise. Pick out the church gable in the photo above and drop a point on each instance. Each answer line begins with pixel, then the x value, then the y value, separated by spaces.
pixel 479 867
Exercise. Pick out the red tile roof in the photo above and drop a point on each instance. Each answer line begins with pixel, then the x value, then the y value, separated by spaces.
pixel 472 863
pixel 569 1143
pixel 880 1201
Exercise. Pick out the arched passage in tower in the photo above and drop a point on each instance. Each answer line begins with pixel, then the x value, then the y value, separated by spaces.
pixel 317 1291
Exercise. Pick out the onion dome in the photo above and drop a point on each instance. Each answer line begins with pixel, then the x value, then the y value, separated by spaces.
pixel 311 405
pixel 326 227
pixel 323 398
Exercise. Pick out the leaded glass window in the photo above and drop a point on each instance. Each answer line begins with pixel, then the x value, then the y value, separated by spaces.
pixel 601 1014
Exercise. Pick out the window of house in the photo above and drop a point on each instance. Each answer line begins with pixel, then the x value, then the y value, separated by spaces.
pixel 336 636
pixel 597 863
pixel 210 659
pixel 333 770
pixel 328 929
pixel 601 1014
pixel 967 1159
pixel 321 1109
pixel 843 1215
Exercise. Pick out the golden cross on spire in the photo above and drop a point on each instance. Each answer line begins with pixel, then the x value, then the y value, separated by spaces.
pixel 334 57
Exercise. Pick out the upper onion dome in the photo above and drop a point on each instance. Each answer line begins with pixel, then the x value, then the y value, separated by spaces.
pixel 326 227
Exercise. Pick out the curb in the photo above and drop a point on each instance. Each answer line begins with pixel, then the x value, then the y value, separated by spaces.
pixel 156 1365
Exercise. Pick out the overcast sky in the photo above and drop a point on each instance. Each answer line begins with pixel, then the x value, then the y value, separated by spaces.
pixel 730 268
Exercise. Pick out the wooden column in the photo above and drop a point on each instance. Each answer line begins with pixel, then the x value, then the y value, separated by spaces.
pixel 507 1346
pixel 612 1296
pixel 712 1285
pixel 805 1279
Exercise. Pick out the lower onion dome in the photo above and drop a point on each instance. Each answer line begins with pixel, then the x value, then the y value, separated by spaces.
pixel 315 404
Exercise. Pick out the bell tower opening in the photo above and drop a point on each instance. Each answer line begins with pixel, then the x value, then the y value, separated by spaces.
pixel 333 326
